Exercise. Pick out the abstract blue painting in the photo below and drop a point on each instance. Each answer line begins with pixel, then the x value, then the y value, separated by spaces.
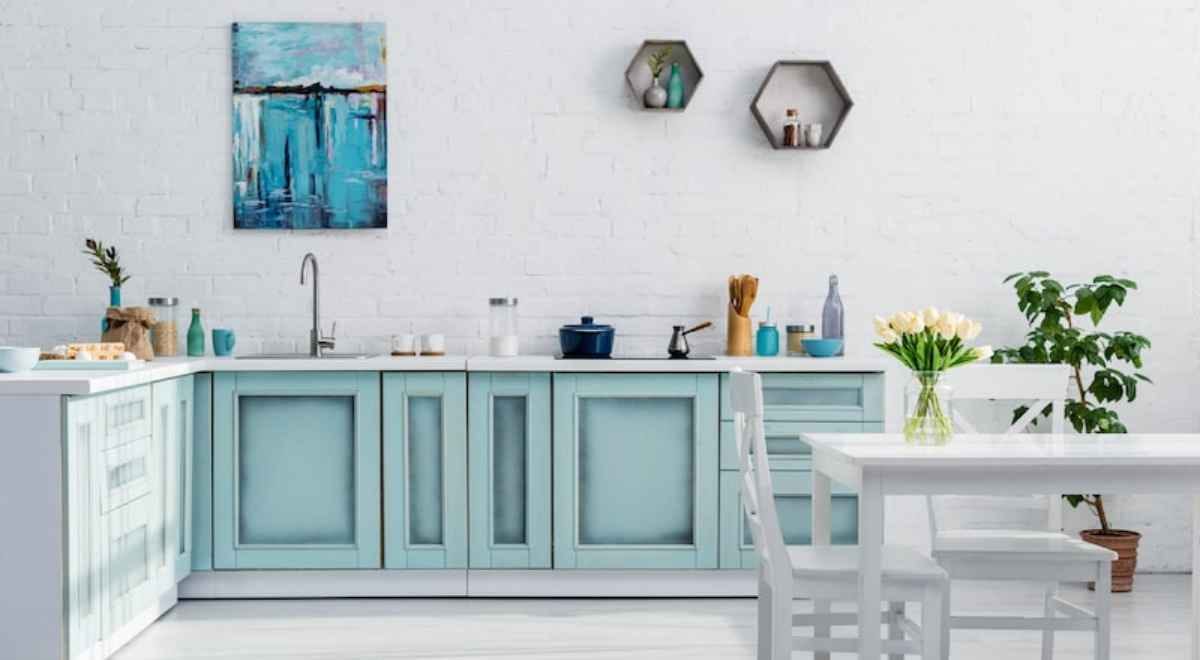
pixel 309 126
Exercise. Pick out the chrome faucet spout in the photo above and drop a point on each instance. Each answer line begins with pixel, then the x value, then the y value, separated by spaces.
pixel 315 342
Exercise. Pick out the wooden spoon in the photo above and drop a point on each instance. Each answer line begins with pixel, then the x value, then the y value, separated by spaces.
pixel 733 291
pixel 749 291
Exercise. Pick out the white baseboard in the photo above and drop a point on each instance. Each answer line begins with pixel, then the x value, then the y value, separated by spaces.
pixel 499 583
pixel 113 642
pixel 324 584
pixel 611 583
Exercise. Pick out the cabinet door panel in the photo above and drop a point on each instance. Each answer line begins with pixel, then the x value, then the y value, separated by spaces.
pixel 127 415
pixel 635 471
pixel 85 474
pixel 130 584
pixel 128 471
pixel 296 470
pixel 424 462
pixel 510 470
pixel 816 397
pixel 181 476
pixel 793 500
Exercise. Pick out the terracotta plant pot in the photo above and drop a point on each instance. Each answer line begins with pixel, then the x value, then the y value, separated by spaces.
pixel 1125 544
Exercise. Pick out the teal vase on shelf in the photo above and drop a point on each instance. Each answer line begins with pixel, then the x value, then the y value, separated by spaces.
pixel 114 300
pixel 195 335
pixel 675 87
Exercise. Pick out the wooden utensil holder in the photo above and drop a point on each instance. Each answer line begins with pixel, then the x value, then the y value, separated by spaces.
pixel 738 335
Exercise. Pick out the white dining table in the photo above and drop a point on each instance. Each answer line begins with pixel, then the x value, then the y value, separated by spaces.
pixel 880 464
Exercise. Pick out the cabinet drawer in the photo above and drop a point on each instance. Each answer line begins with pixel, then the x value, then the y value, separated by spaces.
pixel 793 502
pixel 126 473
pixel 129 586
pixel 786 450
pixel 126 415
pixel 816 397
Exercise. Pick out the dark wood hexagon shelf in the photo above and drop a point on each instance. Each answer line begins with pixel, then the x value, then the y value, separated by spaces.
pixel 810 86
pixel 638 78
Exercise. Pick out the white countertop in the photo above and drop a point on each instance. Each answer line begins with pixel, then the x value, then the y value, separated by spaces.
pixel 889 450
pixel 94 382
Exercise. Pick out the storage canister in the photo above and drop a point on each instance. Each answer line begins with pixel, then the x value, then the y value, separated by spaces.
pixel 796 334
pixel 503 333
pixel 164 334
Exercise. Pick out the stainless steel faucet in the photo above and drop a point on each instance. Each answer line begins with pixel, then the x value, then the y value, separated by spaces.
pixel 317 343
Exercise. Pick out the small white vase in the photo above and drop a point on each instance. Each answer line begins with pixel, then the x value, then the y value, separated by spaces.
pixel 812 135
pixel 655 95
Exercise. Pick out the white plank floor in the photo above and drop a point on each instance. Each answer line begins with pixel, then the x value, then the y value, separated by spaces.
pixel 1150 623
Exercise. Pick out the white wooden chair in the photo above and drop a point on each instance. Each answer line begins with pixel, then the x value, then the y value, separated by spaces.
pixel 1037 551
pixel 827 573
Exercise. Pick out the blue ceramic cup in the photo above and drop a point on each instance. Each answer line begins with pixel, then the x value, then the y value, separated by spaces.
pixel 223 341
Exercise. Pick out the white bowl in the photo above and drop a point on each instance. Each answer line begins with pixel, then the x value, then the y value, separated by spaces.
pixel 15 359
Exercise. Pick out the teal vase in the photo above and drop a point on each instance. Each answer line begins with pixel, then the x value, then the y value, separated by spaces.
pixel 114 300
pixel 675 87
pixel 195 336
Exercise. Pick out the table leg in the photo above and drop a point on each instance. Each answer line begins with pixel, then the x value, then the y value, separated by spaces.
pixel 1196 577
pixel 870 566
pixel 822 532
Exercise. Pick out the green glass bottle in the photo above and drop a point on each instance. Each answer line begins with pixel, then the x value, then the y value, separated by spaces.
pixel 195 335
pixel 675 87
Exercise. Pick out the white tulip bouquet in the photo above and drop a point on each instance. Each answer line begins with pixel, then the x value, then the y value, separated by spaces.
pixel 929 342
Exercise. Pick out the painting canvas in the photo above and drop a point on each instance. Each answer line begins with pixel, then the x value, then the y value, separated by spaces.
pixel 309 126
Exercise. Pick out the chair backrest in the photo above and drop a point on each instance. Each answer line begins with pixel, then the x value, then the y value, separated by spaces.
pixel 758 495
pixel 1038 387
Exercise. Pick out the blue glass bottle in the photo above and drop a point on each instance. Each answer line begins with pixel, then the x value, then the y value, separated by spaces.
pixel 767 340
pixel 833 315
pixel 675 87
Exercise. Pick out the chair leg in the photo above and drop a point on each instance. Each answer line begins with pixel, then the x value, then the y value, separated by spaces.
pixel 1103 609
pixel 935 621
pixel 1050 612
pixel 944 627
pixel 766 621
pixel 822 630
pixel 895 611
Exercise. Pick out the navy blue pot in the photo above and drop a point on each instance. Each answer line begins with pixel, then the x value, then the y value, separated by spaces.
pixel 587 339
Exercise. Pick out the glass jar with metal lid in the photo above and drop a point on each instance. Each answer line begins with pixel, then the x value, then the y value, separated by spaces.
pixel 164 334
pixel 796 334
pixel 503 333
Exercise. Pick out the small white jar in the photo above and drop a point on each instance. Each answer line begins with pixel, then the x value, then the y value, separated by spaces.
pixel 503 335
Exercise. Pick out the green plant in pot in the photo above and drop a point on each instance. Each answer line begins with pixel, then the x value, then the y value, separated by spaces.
pixel 106 261
pixel 1105 371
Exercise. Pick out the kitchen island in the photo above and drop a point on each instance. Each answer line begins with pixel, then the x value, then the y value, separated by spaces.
pixel 440 476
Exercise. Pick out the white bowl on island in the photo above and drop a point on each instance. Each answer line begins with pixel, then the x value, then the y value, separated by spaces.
pixel 17 359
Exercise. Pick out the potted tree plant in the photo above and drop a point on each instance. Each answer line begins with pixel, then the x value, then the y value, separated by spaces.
pixel 1055 314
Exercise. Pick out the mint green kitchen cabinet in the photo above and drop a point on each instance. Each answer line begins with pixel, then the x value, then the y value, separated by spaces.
pixel 793 500
pixel 83 453
pixel 635 471
pixel 509 459
pixel 296 470
pixel 202 472
pixel 425 470
pixel 174 414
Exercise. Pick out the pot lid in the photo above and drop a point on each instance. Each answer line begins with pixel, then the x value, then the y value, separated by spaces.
pixel 587 324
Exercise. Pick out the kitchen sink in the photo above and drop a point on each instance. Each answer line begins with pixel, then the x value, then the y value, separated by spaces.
pixel 306 356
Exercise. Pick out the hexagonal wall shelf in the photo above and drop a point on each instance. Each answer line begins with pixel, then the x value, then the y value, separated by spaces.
pixel 638 77
pixel 810 86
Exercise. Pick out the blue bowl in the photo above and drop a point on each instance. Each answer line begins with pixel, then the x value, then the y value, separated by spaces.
pixel 822 347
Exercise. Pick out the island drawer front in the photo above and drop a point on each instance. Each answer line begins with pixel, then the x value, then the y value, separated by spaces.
pixel 786 450
pixel 127 415
pixel 793 499
pixel 126 473
pixel 816 397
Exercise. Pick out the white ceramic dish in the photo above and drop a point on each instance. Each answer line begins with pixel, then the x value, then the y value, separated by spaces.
pixel 18 359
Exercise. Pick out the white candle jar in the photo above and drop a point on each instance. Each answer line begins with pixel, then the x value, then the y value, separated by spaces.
pixel 502 333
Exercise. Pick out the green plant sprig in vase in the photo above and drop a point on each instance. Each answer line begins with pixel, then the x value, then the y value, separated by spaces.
pixel 929 342
pixel 1056 315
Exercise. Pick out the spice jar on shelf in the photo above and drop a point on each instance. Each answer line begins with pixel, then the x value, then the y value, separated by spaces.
pixel 164 334
pixel 793 136
pixel 796 334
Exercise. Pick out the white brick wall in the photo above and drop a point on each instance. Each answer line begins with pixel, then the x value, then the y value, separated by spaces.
pixel 986 138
